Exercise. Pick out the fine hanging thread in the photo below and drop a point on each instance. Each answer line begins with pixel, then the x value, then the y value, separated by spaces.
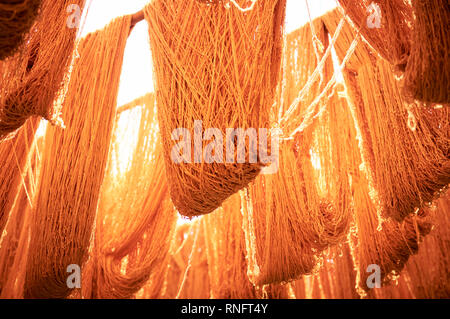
pixel 428 270
pixel 335 280
pixel 189 263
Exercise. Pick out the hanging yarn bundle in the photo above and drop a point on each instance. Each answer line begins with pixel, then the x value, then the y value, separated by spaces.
pixel 225 249
pixel 428 271
pixel 387 244
pixel 14 238
pixel 287 219
pixel 357 183
pixel 405 148
pixel 13 157
pixel 164 281
pixel 218 65
pixel 227 256
pixel 335 279
pixel 135 217
pixel 187 275
pixel 157 285
pixel 389 247
pixel 385 24
pixel 419 151
pixel 337 274
pixel 332 150
pixel 16 19
pixel 73 164
pixel 32 79
pixel 427 72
